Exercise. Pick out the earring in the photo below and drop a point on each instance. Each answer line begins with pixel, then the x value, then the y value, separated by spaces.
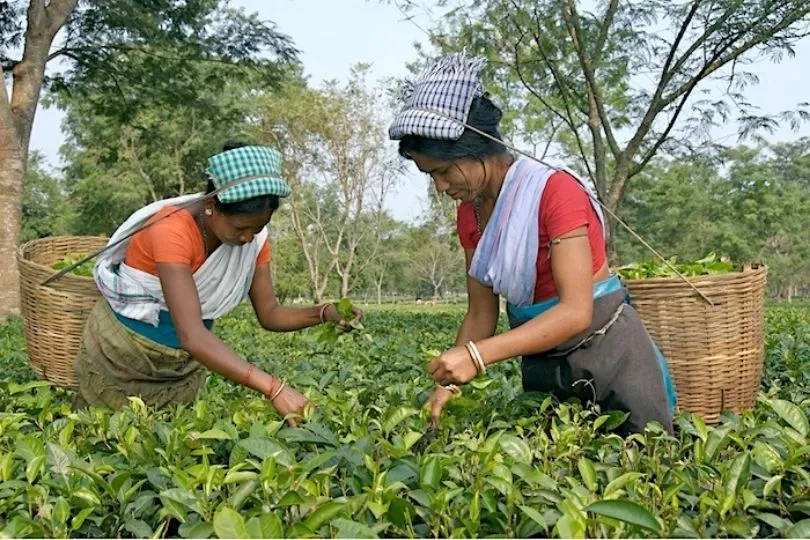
pixel 209 212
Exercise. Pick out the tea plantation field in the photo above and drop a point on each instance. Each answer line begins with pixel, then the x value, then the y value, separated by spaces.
pixel 503 463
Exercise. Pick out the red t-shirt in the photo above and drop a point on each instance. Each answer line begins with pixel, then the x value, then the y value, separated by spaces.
pixel 564 207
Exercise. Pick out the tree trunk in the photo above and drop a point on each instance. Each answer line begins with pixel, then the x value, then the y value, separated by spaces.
pixel 16 121
pixel 379 285
pixel 12 175
pixel 344 285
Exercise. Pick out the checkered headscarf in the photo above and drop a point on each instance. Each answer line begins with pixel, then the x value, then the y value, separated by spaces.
pixel 258 166
pixel 448 86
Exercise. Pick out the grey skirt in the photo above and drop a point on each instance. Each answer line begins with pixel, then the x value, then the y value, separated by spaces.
pixel 613 363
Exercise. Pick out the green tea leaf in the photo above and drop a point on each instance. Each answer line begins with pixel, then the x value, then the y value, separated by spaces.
pixel 766 457
pixel 792 414
pixel 394 417
pixel 182 497
pixel 58 460
pixel 78 519
pixel 352 529
pixel 323 514
pixel 627 512
pixel 291 498
pixel 778 523
pixel 772 484
pixel 265 526
pixel 216 434
pixel 400 512
pixel 264 448
pixel 621 481
pixel 238 498
pixel 739 474
pixel 196 529
pixel 588 473
pixel 138 527
pixel 516 448
pixel 799 530
pixel 534 515
pixel 431 473
pixel 61 511
pixel 569 526
pixel 229 524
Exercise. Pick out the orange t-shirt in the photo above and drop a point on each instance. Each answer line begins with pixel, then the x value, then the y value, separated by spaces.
pixel 175 239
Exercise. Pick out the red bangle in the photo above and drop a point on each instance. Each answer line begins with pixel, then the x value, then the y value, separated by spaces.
pixel 323 312
pixel 247 377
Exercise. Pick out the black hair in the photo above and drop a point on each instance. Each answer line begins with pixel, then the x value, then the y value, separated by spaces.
pixel 255 205
pixel 484 115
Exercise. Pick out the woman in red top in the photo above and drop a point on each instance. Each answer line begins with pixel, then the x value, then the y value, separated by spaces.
pixel 533 235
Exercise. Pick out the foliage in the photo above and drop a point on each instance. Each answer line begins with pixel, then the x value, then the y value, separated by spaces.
pixel 46 210
pixel 708 265
pixel 747 203
pixel 341 168
pixel 613 84
pixel 85 269
pixel 366 463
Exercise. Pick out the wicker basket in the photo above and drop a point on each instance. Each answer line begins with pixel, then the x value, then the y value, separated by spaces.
pixel 715 353
pixel 54 315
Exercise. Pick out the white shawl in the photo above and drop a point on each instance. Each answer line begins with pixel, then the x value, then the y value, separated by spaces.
pixel 223 281
pixel 506 256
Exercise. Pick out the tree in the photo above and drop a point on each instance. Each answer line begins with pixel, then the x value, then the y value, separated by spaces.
pixel 583 75
pixel 749 204
pixel 17 112
pixel 288 265
pixel 113 168
pixel 45 208
pixel 434 262
pixel 341 167
pixel 101 43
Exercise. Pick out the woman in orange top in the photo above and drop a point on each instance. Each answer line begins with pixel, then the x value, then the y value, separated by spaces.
pixel 150 335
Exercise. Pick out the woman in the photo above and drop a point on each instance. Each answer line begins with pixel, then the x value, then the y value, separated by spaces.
pixel 534 235
pixel 150 335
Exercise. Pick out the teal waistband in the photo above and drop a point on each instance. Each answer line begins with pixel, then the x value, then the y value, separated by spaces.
pixel 164 333
pixel 519 315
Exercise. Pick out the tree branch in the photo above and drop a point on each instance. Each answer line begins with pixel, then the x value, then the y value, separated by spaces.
pixel 57 13
pixel 564 95
pixel 607 22
pixel 594 92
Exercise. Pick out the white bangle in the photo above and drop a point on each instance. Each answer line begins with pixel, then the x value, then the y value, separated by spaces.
pixel 478 360
pixel 280 388
pixel 452 388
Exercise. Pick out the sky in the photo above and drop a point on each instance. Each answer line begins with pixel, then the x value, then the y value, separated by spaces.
pixel 333 35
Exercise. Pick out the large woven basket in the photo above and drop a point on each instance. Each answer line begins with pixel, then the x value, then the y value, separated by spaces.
pixel 54 315
pixel 715 353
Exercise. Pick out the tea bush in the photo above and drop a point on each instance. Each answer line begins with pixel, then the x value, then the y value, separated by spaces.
pixel 366 464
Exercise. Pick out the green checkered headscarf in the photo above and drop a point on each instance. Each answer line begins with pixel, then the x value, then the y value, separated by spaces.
pixel 258 166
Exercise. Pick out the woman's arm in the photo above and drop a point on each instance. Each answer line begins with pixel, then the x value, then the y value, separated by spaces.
pixel 479 323
pixel 572 270
pixel 482 309
pixel 571 267
pixel 277 318
pixel 273 316
pixel 181 297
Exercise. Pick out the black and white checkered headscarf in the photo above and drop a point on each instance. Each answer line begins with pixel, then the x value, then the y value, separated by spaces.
pixel 448 86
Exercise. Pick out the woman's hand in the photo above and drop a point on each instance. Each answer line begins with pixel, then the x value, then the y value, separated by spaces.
pixel 436 402
pixel 331 314
pixel 290 401
pixel 455 366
